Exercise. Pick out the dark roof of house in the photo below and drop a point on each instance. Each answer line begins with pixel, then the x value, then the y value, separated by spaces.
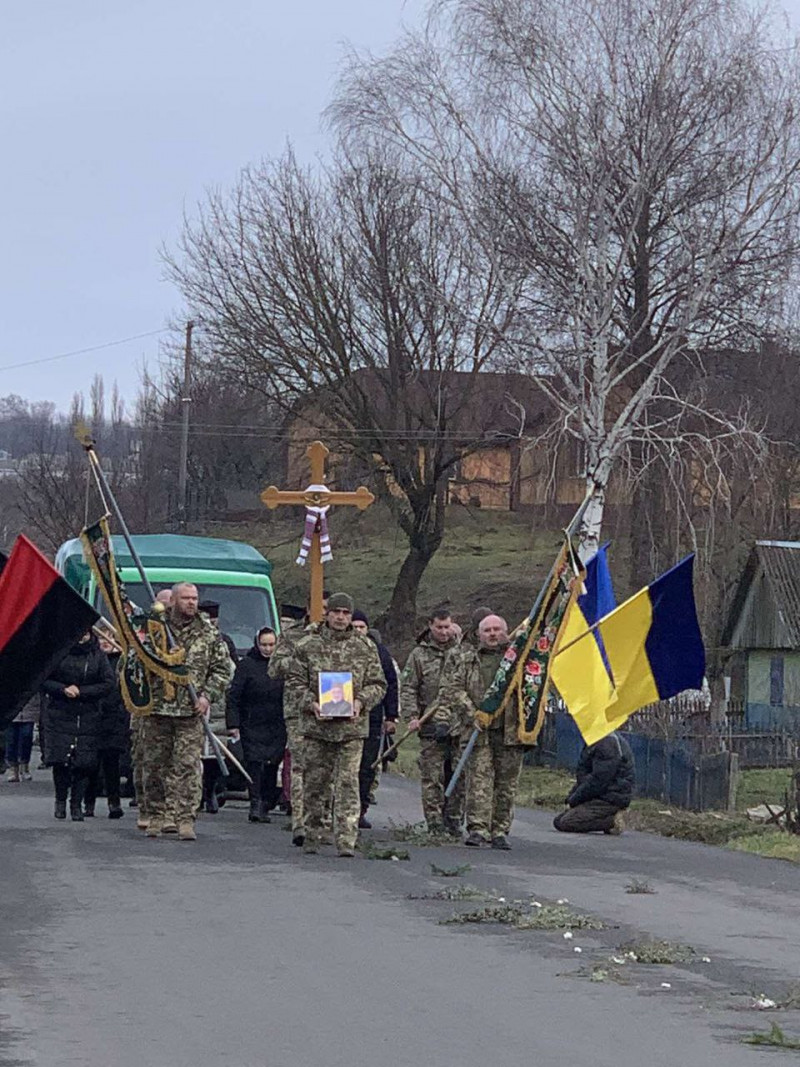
pixel 777 565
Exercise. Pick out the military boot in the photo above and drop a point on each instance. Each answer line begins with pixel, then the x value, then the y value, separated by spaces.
pixel 500 841
pixel 363 821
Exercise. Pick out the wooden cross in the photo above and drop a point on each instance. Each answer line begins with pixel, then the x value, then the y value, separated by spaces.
pixel 314 497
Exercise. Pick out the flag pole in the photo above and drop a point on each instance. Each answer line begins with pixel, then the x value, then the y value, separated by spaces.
pixel 575 522
pixel 87 442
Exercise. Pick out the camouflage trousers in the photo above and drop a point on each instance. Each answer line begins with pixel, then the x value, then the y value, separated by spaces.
pixel 437 761
pixel 137 760
pixel 331 770
pixel 492 787
pixel 173 746
pixel 376 781
pixel 295 742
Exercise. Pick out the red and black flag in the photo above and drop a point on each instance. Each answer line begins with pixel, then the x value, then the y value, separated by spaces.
pixel 41 616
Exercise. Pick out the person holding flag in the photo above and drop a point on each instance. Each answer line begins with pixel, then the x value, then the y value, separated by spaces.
pixel 173 731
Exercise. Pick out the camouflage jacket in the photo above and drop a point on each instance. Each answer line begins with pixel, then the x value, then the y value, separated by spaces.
pixel 467 675
pixel 419 682
pixel 209 662
pixel 284 650
pixel 281 660
pixel 324 649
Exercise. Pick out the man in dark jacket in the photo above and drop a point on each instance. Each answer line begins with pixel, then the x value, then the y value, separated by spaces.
pixel 382 718
pixel 604 787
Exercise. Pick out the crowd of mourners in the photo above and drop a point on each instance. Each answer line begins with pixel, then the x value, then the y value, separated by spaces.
pixel 321 770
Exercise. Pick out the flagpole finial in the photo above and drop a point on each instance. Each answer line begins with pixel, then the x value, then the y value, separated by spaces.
pixel 84 435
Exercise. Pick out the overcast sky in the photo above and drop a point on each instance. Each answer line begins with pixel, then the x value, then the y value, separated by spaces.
pixel 114 116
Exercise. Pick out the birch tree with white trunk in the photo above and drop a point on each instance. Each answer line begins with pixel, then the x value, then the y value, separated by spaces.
pixel 631 168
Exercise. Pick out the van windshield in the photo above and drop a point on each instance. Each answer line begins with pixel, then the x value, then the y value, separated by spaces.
pixel 243 609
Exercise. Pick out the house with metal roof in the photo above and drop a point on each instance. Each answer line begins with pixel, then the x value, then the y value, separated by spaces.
pixel 762 634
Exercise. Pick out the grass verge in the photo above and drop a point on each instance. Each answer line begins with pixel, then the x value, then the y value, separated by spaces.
pixel 546 787
pixel 774 844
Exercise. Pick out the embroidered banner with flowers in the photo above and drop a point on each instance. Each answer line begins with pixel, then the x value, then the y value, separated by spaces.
pixel 523 676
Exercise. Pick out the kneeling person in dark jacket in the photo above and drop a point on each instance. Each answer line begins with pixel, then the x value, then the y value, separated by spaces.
pixel 604 787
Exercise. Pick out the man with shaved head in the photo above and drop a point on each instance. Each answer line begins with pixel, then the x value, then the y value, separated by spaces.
pixel 173 733
pixel 496 760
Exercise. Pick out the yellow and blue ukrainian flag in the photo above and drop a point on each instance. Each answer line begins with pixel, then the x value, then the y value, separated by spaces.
pixel 648 649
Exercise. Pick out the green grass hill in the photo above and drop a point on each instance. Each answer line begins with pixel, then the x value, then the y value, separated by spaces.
pixel 496 558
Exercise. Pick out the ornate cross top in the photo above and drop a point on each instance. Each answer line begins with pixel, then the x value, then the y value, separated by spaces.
pixel 316 498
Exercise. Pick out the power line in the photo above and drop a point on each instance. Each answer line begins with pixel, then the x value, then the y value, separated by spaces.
pixel 85 351
pixel 252 433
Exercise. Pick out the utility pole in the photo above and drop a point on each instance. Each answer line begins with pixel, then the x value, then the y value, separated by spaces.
pixel 185 401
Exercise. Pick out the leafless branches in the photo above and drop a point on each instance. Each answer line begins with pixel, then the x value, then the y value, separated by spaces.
pixel 630 169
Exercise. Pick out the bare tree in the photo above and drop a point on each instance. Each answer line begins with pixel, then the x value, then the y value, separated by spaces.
pixel 632 168
pixel 360 292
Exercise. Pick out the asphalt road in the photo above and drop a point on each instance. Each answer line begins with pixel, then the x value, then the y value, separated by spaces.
pixel 118 951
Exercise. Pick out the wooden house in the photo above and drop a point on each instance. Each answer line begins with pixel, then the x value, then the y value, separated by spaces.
pixel 505 463
pixel 762 634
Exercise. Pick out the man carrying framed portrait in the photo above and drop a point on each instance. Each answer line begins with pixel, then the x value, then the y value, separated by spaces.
pixel 335 678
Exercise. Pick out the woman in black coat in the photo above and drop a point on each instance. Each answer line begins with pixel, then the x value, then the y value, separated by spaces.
pixel 254 712
pixel 113 743
pixel 73 715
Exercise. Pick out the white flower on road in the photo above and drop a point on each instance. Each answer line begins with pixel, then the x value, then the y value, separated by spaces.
pixel 562 901
pixel 577 949
pixel 666 985
pixel 764 1003
pixel 568 935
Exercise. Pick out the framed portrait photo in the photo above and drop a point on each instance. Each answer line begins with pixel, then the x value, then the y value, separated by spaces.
pixel 336 695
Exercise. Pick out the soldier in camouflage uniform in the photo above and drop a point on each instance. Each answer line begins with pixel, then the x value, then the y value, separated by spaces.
pixel 332 747
pixel 279 664
pixel 137 746
pixel 137 760
pixel 497 757
pixel 173 733
pixel 439 738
